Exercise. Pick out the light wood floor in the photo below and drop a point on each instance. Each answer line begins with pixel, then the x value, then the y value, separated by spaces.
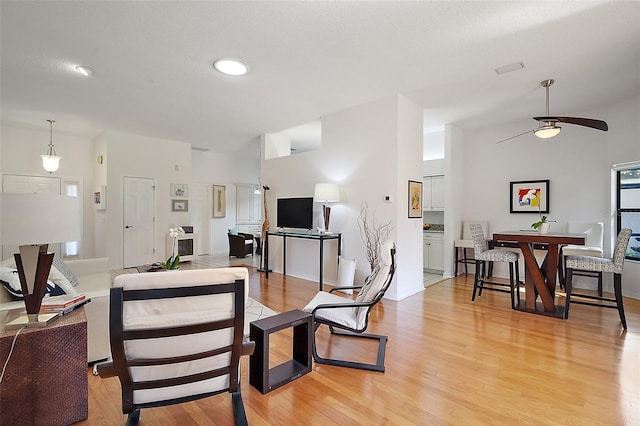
pixel 449 361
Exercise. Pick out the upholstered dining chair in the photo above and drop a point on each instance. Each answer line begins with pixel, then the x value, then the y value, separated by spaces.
pixel 344 313
pixel 598 264
pixel 593 247
pixel 177 336
pixel 482 255
pixel 460 246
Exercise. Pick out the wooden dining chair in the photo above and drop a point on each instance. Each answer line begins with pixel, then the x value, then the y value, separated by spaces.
pixel 482 255
pixel 599 264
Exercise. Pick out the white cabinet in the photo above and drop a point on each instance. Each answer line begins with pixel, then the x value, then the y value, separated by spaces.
pixel 433 251
pixel 248 204
pixel 433 193
pixel 187 247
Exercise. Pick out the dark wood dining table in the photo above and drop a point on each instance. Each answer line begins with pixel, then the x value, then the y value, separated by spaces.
pixel 540 279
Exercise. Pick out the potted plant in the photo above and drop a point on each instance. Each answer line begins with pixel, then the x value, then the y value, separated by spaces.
pixel 174 260
pixel 544 223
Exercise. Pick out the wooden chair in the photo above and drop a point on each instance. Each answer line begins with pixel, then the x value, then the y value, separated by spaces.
pixel 482 255
pixel 598 264
pixel 343 313
pixel 177 336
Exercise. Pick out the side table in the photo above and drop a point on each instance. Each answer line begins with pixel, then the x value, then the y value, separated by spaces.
pixel 266 379
pixel 45 382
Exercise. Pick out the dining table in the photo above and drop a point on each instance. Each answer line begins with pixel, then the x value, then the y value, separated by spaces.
pixel 540 279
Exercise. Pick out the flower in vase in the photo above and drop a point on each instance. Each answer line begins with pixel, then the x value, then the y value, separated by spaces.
pixel 174 260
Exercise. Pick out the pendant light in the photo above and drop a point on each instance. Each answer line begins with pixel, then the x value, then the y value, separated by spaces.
pixel 50 161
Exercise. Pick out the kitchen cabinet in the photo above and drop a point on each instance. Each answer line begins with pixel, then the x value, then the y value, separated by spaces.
pixel 433 193
pixel 433 251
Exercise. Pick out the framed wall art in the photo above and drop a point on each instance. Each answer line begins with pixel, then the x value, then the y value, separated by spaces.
pixel 219 201
pixel 179 205
pixel 529 196
pixel 415 199
pixel 100 197
pixel 179 190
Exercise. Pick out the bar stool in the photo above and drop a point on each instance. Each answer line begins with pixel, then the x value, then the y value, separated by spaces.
pixel 593 247
pixel 466 243
pixel 598 264
pixel 482 255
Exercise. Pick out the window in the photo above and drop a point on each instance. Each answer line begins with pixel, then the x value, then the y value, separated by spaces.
pixel 628 206
pixel 72 189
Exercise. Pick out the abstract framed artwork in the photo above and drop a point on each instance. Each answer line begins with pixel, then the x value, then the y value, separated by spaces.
pixel 415 199
pixel 179 205
pixel 219 201
pixel 529 196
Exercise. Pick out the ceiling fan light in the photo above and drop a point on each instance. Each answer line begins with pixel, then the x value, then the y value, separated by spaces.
pixel 546 132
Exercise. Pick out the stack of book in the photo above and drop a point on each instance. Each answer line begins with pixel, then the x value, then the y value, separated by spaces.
pixel 63 304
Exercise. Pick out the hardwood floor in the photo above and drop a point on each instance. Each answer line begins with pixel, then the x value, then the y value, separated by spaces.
pixel 448 361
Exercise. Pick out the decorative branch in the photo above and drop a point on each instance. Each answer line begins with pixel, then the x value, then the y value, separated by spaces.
pixel 373 235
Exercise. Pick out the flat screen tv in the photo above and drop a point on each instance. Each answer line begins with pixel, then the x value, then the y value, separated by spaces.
pixel 295 213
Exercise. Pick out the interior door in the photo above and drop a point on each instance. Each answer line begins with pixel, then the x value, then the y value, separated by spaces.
pixel 29 185
pixel 138 214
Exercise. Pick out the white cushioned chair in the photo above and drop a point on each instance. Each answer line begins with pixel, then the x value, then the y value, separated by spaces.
pixel 593 247
pixel 599 264
pixel 466 243
pixel 483 255
pixel 338 312
pixel 177 336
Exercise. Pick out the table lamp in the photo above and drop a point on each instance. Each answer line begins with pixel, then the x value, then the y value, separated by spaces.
pixel 326 193
pixel 32 221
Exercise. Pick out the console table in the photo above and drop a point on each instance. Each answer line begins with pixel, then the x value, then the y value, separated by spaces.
pixel 318 236
pixel 46 378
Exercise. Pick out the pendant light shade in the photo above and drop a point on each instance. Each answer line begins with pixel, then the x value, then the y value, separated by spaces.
pixel 50 161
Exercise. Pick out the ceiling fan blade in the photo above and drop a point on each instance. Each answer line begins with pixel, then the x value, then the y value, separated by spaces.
pixel 512 137
pixel 587 122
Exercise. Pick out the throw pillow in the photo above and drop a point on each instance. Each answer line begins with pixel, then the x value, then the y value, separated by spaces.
pixel 233 231
pixel 54 275
pixel 64 270
pixel 11 282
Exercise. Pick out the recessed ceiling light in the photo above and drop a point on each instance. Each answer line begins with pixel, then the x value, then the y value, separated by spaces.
pixel 508 68
pixel 84 70
pixel 231 66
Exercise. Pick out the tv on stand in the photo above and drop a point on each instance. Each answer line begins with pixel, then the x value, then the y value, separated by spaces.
pixel 295 213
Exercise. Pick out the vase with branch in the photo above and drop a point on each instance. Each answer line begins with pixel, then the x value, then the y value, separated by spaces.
pixel 373 235
pixel 174 260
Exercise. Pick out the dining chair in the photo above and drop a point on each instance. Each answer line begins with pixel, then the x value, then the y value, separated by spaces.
pixel 460 246
pixel 598 264
pixel 593 247
pixel 482 255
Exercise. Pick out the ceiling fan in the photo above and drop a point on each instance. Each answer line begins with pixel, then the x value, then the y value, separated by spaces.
pixel 548 125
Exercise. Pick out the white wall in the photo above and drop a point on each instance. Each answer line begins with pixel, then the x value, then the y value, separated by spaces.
pixel 21 150
pixel 221 169
pixel 370 151
pixel 577 163
pixel 138 156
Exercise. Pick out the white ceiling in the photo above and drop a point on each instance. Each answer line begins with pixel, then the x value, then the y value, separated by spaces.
pixel 153 73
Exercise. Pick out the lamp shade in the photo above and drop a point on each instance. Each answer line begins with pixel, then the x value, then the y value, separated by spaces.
pixel 546 132
pixel 39 218
pixel 326 193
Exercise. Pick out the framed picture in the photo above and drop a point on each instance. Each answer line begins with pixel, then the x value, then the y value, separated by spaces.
pixel 415 199
pixel 219 201
pixel 179 205
pixel 100 197
pixel 529 196
pixel 179 190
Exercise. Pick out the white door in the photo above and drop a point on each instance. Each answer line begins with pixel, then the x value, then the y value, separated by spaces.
pixel 201 211
pixel 29 185
pixel 138 214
